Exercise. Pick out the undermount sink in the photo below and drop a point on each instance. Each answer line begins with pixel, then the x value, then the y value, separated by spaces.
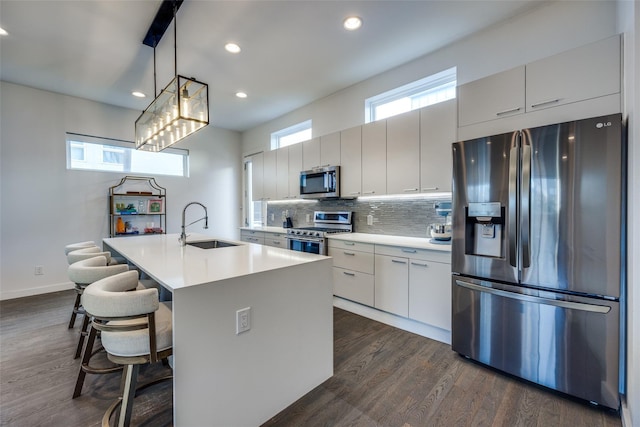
pixel 211 244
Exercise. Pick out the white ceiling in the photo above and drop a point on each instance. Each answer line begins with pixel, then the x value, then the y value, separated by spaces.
pixel 293 52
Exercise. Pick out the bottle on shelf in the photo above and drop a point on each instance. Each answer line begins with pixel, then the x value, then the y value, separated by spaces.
pixel 120 226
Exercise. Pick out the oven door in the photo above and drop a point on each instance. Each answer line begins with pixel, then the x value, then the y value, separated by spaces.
pixel 310 245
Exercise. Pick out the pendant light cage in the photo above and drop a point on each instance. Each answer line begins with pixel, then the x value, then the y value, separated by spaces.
pixel 182 107
pixel 179 110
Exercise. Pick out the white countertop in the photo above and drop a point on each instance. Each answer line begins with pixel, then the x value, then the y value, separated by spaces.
pixel 175 267
pixel 380 239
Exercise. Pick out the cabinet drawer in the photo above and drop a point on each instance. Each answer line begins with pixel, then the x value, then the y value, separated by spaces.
pixel 252 236
pixel 353 285
pixel 346 244
pixel 352 260
pixel 275 241
pixel 414 253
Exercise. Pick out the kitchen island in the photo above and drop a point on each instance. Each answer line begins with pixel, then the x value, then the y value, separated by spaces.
pixel 222 378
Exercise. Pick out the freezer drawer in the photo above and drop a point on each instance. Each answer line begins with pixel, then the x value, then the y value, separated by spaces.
pixel 569 344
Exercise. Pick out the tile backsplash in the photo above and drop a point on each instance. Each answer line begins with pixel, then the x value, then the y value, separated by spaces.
pixel 391 216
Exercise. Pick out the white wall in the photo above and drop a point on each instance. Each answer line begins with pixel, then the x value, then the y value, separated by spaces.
pixel 550 29
pixel 44 206
pixel 629 21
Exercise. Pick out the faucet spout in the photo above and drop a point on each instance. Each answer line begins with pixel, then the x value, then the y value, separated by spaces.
pixel 183 235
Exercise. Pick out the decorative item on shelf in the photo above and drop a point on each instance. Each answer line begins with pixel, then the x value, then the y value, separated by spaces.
pixel 182 107
pixel 155 206
pixel 120 228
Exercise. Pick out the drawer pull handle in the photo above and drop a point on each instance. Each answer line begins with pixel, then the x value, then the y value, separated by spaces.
pixel 429 188
pixel 397 261
pixel 409 190
pixel 540 104
pixel 349 243
pixel 354 193
pixel 510 110
pixel 348 273
pixel 276 242
pixel 409 251
pixel 419 264
pixel 368 192
pixel 350 253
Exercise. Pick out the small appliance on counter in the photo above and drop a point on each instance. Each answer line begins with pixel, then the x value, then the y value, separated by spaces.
pixel 287 223
pixel 441 232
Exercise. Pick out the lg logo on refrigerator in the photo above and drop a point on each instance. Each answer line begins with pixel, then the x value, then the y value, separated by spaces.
pixel 600 125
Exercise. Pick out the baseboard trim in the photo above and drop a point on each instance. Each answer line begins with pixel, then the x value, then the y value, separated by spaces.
pixel 6 295
pixel 625 413
pixel 403 323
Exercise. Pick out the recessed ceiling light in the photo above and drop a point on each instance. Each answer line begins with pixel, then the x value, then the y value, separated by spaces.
pixel 352 23
pixel 3 32
pixel 232 47
pixel 241 94
pixel 138 94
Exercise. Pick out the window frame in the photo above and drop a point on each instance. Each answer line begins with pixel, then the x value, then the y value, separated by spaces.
pixel 424 86
pixel 278 135
pixel 127 148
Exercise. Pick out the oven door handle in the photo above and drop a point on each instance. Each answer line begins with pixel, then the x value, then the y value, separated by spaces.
pixel 307 239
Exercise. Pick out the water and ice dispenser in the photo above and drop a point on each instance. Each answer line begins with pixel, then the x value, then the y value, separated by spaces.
pixel 484 229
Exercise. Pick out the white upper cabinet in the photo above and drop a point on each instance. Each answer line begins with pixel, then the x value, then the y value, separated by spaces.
pixel 493 97
pixel 351 162
pixel 579 74
pixel 403 153
pixel 257 168
pixel 374 158
pixel 311 153
pixel 282 173
pixel 330 149
pixel 269 176
pixel 438 130
pixel 295 167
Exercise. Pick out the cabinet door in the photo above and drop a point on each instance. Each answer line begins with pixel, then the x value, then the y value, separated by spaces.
pixel 493 97
pixel 295 166
pixel 252 236
pixel 269 175
pixel 311 154
pixel 257 172
pixel 587 72
pixel 330 149
pixel 351 162
pixel 438 130
pixel 430 293
pixel 353 285
pixel 403 153
pixel 392 284
pixel 282 173
pixel 374 158
pixel 277 240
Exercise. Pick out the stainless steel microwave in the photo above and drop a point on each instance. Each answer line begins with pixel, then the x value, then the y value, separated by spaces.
pixel 320 183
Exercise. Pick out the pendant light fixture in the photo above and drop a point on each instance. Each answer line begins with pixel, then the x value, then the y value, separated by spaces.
pixel 183 105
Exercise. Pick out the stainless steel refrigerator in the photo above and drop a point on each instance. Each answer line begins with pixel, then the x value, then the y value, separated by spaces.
pixel 537 255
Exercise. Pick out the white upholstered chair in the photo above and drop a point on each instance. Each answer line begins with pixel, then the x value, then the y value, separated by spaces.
pixel 79 245
pixel 135 329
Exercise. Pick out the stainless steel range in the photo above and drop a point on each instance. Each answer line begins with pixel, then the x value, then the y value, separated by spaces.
pixel 313 239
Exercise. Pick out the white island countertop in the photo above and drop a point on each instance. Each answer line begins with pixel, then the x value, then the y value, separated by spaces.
pixel 175 267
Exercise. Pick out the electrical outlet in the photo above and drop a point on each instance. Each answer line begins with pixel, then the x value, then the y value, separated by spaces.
pixel 369 219
pixel 243 320
pixel 273 217
pixel 308 217
pixel 38 270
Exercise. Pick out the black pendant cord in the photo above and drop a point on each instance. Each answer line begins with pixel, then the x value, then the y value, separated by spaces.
pixel 155 87
pixel 175 40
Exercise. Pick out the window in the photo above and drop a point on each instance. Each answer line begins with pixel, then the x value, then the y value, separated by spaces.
pixel 291 135
pixel 253 214
pixel 101 154
pixel 430 90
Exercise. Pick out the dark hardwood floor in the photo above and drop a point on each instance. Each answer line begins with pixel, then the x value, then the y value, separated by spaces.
pixel 383 377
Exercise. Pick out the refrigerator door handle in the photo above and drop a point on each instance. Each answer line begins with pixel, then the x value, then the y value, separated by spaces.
pixel 513 207
pixel 525 197
pixel 537 300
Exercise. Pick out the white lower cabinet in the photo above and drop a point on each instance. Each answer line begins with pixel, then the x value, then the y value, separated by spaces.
pixel 408 282
pixel 392 284
pixel 277 240
pixel 252 236
pixel 353 268
pixel 430 293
